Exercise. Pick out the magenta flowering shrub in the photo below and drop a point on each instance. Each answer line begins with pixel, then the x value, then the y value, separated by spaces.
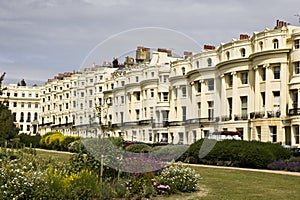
pixel 142 163
pixel 160 188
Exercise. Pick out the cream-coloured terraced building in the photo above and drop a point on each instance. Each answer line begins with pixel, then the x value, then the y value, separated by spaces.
pixel 24 103
pixel 69 101
pixel 249 85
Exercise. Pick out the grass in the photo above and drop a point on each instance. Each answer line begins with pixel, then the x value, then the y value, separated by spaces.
pixel 236 185
pixel 53 155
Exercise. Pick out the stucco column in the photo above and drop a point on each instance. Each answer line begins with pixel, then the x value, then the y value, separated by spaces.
pixel 256 91
pixel 235 96
pixel 223 104
pixel 298 103
pixel 268 93
pixel 283 88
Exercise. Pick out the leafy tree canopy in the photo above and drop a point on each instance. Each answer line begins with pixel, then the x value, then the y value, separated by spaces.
pixel 8 128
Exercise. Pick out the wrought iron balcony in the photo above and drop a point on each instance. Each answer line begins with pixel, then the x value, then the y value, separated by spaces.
pixel 294 111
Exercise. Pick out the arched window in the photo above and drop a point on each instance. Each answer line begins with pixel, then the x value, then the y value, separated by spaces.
pixel 59 120
pixel 209 62
pixel 197 64
pixel 275 44
pixel 22 117
pixel 228 55
pixel 66 119
pixel 53 119
pixel 183 71
pixel 28 117
pixel 261 45
pixel 243 52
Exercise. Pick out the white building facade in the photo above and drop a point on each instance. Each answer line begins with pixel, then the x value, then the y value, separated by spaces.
pixel 250 85
pixel 24 103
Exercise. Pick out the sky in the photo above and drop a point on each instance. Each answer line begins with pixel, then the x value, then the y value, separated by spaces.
pixel 41 38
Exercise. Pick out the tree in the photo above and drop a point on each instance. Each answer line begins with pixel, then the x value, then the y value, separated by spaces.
pixel 8 128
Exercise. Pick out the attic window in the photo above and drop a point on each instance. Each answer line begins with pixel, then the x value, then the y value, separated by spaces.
pixel 243 52
pixel 275 44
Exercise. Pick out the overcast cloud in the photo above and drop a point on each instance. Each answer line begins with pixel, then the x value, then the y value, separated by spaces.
pixel 41 38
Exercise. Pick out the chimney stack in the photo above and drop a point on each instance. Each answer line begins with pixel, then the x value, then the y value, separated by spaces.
pixel 187 54
pixel 280 24
pixel 209 47
pixel 169 52
pixel 244 36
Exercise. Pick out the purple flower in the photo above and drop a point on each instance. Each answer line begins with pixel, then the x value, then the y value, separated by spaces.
pixel 293 166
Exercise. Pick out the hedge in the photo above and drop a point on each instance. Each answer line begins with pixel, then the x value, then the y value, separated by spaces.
pixel 29 140
pixel 249 154
pixel 138 148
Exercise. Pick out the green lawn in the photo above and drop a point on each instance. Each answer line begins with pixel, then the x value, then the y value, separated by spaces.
pixel 53 155
pixel 242 185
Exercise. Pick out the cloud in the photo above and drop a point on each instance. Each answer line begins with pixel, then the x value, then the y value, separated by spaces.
pixel 4 60
pixel 61 33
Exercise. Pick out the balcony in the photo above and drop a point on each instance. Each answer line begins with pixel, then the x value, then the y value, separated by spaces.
pixel 257 115
pixel 294 111
pixel 144 122
pixel 271 114
pixel 240 117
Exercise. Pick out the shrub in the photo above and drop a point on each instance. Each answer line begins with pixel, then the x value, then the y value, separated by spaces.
pixel 179 178
pixel 29 140
pixel 139 188
pixel 139 148
pixel 57 141
pixel 77 147
pixel 277 165
pixel 65 141
pixel 251 154
pixel 169 153
pixel 293 166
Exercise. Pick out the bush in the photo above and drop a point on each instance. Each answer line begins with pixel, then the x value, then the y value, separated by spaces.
pixel 138 148
pixel 57 141
pixel 29 140
pixel 251 154
pixel 169 153
pixel 140 188
pixel 179 178
pixel 277 165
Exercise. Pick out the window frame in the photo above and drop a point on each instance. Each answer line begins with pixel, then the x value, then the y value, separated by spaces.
pixel 276 73
pixel 244 78
pixel 297 44
pixel 297 67
pixel 211 84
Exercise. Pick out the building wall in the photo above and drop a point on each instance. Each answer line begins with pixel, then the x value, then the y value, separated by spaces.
pixel 24 103
pixel 250 85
